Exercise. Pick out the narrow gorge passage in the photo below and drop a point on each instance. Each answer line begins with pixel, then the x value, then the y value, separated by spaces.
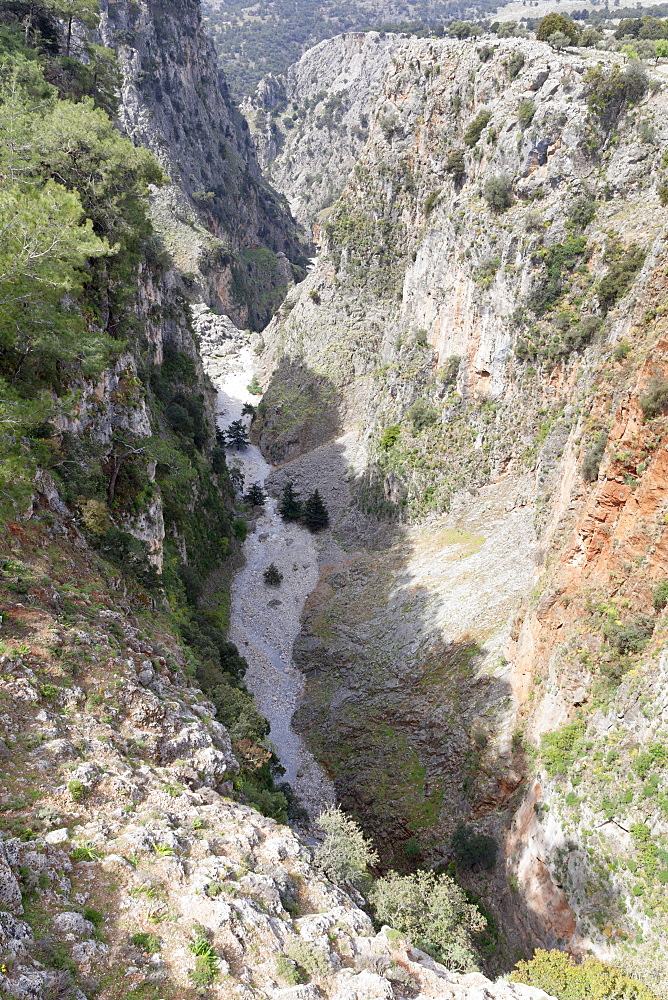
pixel 264 621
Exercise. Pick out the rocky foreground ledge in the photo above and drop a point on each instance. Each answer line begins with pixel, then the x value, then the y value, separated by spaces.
pixel 125 868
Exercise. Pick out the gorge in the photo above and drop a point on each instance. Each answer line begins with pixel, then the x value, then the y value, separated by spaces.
pixel 470 659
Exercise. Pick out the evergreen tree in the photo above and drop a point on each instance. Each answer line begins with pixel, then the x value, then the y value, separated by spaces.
pixel 256 496
pixel 289 506
pixel 237 435
pixel 272 576
pixel 315 513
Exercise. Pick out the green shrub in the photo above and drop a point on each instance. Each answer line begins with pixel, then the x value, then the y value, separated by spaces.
pixel 610 89
pixel 206 961
pixel 94 916
pixel 498 193
pixel 430 202
pixel 525 112
pixel 240 528
pixel 582 211
pixel 620 276
pixel 628 637
pixel 77 790
pixel 433 912
pixel 476 127
pixel 556 259
pixel 552 23
pixel 473 850
pixel 86 852
pixel 558 974
pixel 561 748
pixel 591 462
pixel 287 969
pixel 310 960
pixel 254 386
pixel 455 165
pixel 390 436
pixel 654 402
pixel 656 755
pixel 147 942
pixel 660 595
pixel 422 415
pixel 272 576
pixel 515 64
pixel 345 854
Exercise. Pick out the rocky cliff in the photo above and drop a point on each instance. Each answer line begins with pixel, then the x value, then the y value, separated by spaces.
pixel 478 354
pixel 225 228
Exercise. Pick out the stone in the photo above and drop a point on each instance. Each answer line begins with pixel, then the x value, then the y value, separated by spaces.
pixel 58 836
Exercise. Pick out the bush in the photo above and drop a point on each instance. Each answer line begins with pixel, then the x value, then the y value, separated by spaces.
pixel 433 912
pixel 660 596
pixel 272 576
pixel 591 463
pixel 476 127
pixel 422 415
pixel 498 193
pixel 147 942
pixel 558 974
pixel 525 112
pixel 430 202
pixel 561 748
pixel 473 850
pixel 582 211
pixel 627 638
pixel 455 165
pixel 610 89
pixel 390 436
pixel 240 529
pixel 254 386
pixel 559 40
pixel 654 402
pixel 256 497
pixel 515 64
pixel 345 855
pixel 619 278
pixel 552 23
pixel 308 958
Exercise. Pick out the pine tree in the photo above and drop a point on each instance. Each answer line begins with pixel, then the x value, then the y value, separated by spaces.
pixel 256 496
pixel 272 575
pixel 237 435
pixel 290 506
pixel 315 513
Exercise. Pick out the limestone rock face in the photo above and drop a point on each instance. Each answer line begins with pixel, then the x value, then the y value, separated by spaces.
pixel 217 211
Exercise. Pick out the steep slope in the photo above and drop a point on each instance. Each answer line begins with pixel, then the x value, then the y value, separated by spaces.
pixel 224 226
pixel 484 315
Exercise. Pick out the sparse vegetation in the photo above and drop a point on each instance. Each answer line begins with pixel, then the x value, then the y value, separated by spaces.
pixel 654 402
pixel 559 975
pixel 345 855
pixel 476 127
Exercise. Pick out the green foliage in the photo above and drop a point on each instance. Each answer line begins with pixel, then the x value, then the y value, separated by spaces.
pixel 556 259
pixel 552 23
pixel 149 943
pixel 654 402
pixel 389 437
pixel 237 436
pixel 345 855
pixel 86 852
pixel 609 89
pixel 591 462
pixel 455 165
pixel 272 576
pixel 310 960
pixel 498 193
pixel 558 974
pixel 476 127
pixel 77 790
pixel 240 529
pixel 422 414
pixel 254 386
pixel 561 748
pixel 655 756
pixel 485 273
pixel 255 497
pixel 628 637
pixel 660 596
pixel 582 211
pixel 289 506
pixel 288 970
pixel 515 64
pixel 526 111
pixel 206 961
pixel 430 202
pixel 315 516
pixel 433 912
pixel 473 850
pixel 236 710
pixel 619 278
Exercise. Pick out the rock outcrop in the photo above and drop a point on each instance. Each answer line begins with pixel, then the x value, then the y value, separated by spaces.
pixel 223 225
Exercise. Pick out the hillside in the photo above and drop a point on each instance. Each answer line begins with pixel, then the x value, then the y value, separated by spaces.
pixel 477 353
